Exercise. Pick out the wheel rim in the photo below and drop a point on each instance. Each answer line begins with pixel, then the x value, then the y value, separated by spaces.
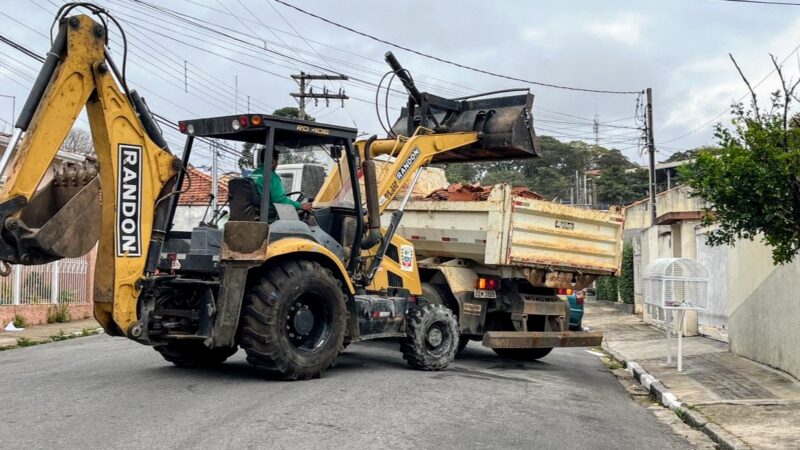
pixel 308 323
pixel 438 339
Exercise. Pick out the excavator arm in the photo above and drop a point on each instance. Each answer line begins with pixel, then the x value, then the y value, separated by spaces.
pixel 124 208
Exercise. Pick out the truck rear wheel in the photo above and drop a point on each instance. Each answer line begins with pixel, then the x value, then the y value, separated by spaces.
pixel 194 354
pixel 431 338
pixel 523 354
pixel 294 321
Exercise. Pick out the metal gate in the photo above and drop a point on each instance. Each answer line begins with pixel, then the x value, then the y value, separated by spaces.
pixel 715 259
pixel 63 281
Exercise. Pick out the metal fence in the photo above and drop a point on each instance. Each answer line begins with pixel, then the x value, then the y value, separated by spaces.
pixel 63 281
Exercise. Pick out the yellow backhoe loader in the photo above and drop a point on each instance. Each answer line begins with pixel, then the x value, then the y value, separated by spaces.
pixel 293 291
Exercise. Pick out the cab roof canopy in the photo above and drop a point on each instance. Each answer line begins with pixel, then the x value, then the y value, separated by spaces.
pixel 291 133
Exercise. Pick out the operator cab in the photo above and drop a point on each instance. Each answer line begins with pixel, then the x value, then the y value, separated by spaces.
pixel 331 223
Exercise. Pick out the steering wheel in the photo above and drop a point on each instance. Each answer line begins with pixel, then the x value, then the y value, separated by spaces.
pixel 300 195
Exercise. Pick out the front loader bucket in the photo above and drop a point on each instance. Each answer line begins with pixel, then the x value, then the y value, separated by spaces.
pixel 62 220
pixel 505 125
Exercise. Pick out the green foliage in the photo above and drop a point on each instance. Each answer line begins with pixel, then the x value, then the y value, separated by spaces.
pixel 615 186
pixel 607 289
pixel 67 296
pixel 20 321
pixel 245 161
pixel 691 154
pixel 553 173
pixel 88 332
pixel 25 342
pixel 753 185
pixel 291 112
pixel 59 314
pixel 625 282
pixel 61 336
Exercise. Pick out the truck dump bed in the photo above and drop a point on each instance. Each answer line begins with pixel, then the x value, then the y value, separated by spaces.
pixel 509 230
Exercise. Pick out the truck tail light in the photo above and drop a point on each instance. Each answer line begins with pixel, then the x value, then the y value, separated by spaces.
pixel 244 121
pixel 486 283
pixel 255 120
pixel 565 292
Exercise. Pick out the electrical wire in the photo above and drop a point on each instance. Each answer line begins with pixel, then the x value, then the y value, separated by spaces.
pixel 452 63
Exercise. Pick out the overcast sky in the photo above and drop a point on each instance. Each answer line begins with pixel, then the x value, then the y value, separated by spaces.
pixel 679 48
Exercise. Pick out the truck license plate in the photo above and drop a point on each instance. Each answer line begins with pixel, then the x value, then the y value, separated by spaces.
pixel 482 293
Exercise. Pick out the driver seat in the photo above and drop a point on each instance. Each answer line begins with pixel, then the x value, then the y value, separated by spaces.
pixel 245 201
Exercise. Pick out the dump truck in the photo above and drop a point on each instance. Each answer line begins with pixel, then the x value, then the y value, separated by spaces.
pixel 499 263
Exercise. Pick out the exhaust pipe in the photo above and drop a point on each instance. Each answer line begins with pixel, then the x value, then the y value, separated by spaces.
pixel 371 191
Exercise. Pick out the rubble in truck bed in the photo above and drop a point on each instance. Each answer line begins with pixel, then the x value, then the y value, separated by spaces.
pixel 459 192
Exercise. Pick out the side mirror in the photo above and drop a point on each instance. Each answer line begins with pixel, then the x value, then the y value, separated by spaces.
pixel 336 151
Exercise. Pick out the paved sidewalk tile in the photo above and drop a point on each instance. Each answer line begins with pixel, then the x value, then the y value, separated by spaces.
pixel 755 403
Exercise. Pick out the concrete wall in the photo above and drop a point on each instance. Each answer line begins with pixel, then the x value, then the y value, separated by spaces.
pixel 764 307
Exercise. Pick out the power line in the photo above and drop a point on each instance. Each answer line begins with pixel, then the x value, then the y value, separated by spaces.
pixel 452 63
pixel 762 2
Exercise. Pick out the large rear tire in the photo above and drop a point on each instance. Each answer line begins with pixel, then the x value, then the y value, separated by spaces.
pixel 294 321
pixel 194 354
pixel 431 338
pixel 523 354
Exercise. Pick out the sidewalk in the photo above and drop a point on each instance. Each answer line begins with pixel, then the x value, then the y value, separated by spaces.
pixel 42 333
pixel 756 404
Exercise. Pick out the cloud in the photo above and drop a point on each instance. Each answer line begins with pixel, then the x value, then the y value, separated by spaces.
pixel 626 27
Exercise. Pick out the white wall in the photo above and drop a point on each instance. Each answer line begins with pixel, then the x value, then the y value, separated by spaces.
pixel 188 217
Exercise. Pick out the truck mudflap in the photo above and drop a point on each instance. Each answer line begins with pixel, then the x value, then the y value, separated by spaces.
pixel 542 339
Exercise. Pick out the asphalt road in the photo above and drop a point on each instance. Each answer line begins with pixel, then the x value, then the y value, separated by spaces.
pixel 102 392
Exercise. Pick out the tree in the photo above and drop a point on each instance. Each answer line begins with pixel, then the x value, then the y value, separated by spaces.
pixel 692 153
pixel 291 112
pixel 753 186
pixel 616 186
pixel 245 161
pixel 78 141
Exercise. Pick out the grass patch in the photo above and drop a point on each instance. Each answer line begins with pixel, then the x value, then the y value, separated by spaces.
pixel 25 342
pixel 61 336
pixel 20 321
pixel 59 314
pixel 88 331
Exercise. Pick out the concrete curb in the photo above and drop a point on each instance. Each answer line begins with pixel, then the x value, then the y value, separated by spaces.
pixel 658 391
pixel 47 340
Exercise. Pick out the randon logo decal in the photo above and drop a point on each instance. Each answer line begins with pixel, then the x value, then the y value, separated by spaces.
pixel 129 201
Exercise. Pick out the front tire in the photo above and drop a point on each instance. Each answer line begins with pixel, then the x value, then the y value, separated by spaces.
pixel 294 320
pixel 431 339
pixel 194 354
pixel 523 354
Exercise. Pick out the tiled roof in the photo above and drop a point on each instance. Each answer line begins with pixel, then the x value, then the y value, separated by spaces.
pixel 199 190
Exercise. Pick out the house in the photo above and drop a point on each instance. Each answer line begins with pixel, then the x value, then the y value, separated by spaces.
pixel 194 203
pixel 753 304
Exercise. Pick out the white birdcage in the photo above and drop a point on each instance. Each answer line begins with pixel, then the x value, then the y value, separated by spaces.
pixel 676 283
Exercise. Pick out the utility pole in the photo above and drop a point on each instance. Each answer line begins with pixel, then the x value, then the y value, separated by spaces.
pixel 185 76
pixel 214 178
pixel 651 148
pixel 327 96
pixel 596 129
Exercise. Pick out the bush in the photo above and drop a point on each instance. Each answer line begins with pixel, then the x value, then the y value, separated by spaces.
pixel 59 314
pixel 626 277
pixel 607 289
pixel 67 296
pixel 20 321
pixel 25 342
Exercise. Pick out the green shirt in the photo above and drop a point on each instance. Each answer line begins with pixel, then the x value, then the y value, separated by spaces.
pixel 276 192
